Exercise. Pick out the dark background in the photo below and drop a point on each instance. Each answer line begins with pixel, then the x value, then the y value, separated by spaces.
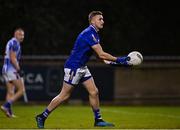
pixel 51 26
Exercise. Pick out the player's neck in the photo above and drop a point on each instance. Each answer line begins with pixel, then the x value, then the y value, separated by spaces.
pixel 17 40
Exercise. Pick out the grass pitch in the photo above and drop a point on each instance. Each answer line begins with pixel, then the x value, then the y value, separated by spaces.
pixel 81 117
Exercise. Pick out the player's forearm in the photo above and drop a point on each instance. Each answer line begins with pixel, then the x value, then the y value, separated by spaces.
pixel 107 56
pixel 103 55
pixel 15 64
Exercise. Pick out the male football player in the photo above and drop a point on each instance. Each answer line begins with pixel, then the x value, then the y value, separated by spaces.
pixel 11 71
pixel 77 72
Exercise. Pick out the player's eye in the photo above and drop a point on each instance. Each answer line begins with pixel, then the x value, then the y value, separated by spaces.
pixel 100 19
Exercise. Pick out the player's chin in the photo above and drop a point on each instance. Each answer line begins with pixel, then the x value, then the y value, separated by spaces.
pixel 101 26
pixel 21 40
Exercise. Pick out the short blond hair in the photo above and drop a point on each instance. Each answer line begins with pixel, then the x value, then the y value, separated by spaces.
pixel 19 29
pixel 92 14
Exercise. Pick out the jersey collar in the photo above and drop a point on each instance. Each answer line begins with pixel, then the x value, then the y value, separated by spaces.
pixel 93 27
pixel 15 39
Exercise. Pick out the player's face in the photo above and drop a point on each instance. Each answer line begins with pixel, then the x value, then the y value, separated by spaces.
pixel 19 35
pixel 98 21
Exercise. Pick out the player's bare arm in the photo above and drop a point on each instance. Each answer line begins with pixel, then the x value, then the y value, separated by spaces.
pixel 103 55
pixel 14 60
pixel 109 59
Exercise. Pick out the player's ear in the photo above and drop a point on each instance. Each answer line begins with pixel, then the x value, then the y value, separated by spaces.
pixel 93 20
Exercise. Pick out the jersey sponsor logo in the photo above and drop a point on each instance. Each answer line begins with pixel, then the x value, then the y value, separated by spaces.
pixel 32 78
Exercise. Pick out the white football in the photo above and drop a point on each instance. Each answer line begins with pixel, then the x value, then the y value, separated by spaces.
pixel 136 58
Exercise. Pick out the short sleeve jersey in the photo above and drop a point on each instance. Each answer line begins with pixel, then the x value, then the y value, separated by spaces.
pixel 12 45
pixel 82 49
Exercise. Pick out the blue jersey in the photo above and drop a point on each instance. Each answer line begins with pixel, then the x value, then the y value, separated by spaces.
pixel 82 50
pixel 12 45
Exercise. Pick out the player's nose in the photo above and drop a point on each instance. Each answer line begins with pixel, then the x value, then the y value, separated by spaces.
pixel 102 21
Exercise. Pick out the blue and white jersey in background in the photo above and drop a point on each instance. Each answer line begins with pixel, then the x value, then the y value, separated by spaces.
pixel 82 50
pixel 12 45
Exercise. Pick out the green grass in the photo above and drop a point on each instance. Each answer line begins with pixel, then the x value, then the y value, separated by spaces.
pixel 130 117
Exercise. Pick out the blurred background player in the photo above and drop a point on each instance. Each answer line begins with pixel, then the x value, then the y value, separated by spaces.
pixel 12 73
pixel 77 72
